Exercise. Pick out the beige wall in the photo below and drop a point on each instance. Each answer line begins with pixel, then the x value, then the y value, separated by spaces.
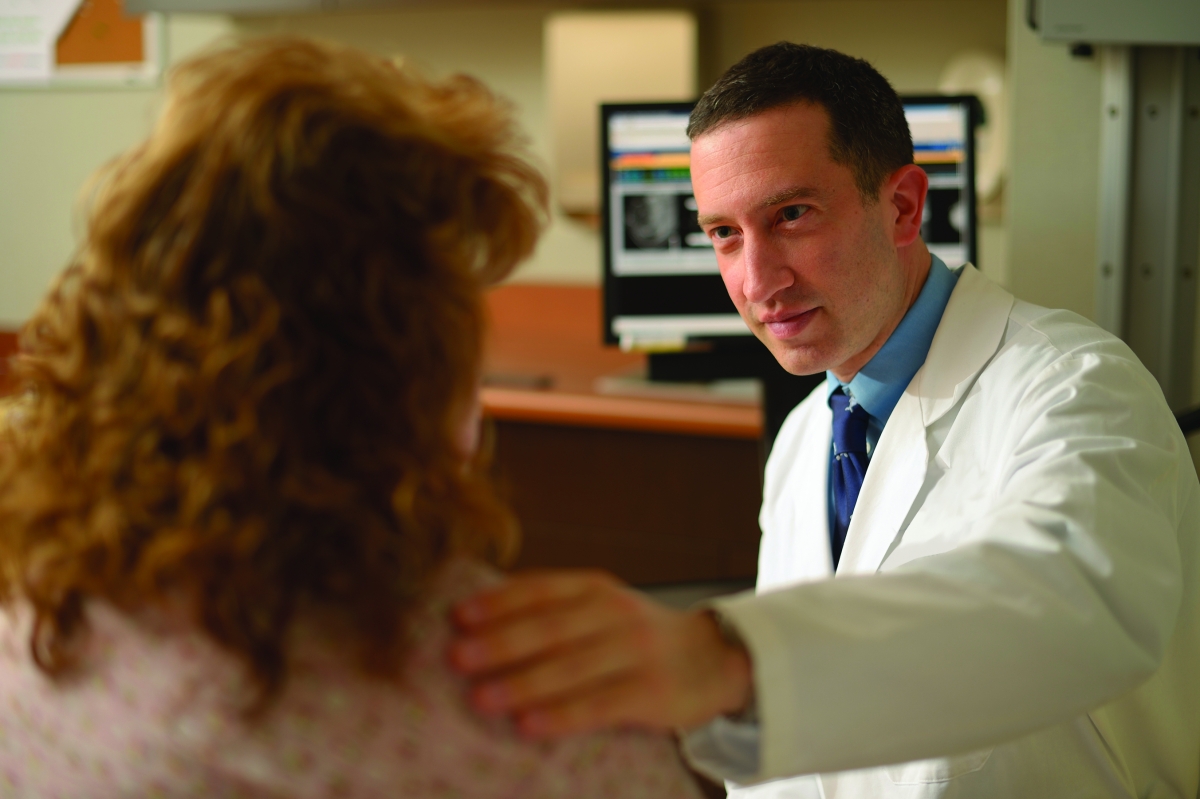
pixel 1052 192
pixel 909 41
pixel 50 141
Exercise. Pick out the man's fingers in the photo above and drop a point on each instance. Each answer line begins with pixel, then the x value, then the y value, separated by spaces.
pixel 612 704
pixel 532 636
pixel 572 671
pixel 567 652
pixel 533 615
pixel 525 592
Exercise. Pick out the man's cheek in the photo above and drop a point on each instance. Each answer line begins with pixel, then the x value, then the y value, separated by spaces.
pixel 731 275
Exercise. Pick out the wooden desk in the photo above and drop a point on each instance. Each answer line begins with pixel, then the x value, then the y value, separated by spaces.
pixel 551 335
pixel 656 491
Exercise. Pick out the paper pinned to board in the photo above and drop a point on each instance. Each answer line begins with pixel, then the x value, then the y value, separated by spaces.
pixel 29 30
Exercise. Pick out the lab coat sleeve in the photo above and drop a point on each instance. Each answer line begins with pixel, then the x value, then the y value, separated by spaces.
pixel 1060 594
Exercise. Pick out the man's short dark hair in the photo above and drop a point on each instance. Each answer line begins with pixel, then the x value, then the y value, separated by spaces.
pixel 867 129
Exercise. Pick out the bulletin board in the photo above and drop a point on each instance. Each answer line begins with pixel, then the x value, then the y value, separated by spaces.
pixel 78 43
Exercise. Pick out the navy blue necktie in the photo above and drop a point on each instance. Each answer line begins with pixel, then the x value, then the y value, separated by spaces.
pixel 849 465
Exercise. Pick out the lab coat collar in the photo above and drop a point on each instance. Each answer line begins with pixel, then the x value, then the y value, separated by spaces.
pixel 970 331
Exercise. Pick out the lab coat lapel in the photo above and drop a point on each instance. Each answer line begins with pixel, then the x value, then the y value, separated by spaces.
pixel 812 555
pixel 970 331
pixel 795 548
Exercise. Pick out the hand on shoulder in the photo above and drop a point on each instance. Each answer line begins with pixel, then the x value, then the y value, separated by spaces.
pixel 570 651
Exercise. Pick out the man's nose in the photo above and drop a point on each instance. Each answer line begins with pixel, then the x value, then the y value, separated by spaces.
pixel 765 271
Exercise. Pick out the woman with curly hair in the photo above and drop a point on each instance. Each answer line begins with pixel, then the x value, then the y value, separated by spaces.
pixel 238 488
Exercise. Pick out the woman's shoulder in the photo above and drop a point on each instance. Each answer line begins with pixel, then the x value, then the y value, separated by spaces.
pixel 461 577
pixel 167 700
pixel 418 735
pixel 107 726
pixel 612 764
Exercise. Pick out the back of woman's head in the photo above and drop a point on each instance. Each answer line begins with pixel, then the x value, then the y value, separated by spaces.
pixel 249 386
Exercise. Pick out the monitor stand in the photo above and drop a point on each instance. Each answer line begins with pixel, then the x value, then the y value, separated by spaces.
pixel 738 358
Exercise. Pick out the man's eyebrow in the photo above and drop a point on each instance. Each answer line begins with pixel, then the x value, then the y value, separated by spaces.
pixel 793 193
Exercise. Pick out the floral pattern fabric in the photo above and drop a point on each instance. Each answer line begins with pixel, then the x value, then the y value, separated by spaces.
pixel 155 711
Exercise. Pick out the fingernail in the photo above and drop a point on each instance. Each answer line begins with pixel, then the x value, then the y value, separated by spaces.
pixel 491 697
pixel 470 654
pixel 534 723
pixel 469 612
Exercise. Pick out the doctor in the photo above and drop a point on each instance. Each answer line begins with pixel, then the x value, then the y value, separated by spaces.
pixel 978 571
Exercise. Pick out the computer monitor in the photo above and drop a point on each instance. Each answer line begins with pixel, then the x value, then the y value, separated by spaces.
pixel 662 289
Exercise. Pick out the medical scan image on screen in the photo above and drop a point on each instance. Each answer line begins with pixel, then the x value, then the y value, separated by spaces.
pixel 662 222
pixel 650 189
pixel 662 284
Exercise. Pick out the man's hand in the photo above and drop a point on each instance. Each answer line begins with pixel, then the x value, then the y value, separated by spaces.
pixel 569 651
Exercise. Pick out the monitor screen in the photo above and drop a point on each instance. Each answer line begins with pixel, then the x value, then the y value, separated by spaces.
pixel 662 288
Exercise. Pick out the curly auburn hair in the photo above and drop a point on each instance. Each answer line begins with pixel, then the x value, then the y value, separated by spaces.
pixel 248 387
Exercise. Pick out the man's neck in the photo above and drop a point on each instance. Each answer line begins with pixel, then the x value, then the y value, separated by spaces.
pixel 917 261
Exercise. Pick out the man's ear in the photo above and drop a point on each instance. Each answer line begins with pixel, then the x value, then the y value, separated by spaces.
pixel 905 191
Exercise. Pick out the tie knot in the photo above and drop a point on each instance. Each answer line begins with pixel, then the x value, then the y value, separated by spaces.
pixel 849 425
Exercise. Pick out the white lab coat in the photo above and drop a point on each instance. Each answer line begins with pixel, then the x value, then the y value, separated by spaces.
pixel 1016 611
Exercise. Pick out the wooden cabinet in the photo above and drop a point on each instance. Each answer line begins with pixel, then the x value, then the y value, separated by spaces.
pixel 656 491
pixel 650 507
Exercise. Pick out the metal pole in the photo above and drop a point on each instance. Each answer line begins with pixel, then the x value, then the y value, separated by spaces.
pixel 1162 230
pixel 1116 145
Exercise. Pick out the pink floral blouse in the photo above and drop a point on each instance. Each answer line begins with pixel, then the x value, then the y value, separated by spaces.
pixel 154 713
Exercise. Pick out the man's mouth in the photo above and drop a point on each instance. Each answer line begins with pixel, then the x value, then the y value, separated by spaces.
pixel 786 325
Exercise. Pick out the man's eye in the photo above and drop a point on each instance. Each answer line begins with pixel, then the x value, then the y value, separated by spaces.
pixel 793 212
pixel 721 232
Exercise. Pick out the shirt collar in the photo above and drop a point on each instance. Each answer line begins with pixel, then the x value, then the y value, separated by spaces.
pixel 879 385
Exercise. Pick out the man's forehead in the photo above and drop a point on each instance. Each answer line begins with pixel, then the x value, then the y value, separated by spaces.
pixel 769 158
pixel 790 136
pixel 803 113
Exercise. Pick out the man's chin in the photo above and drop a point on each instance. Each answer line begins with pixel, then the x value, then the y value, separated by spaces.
pixel 796 359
